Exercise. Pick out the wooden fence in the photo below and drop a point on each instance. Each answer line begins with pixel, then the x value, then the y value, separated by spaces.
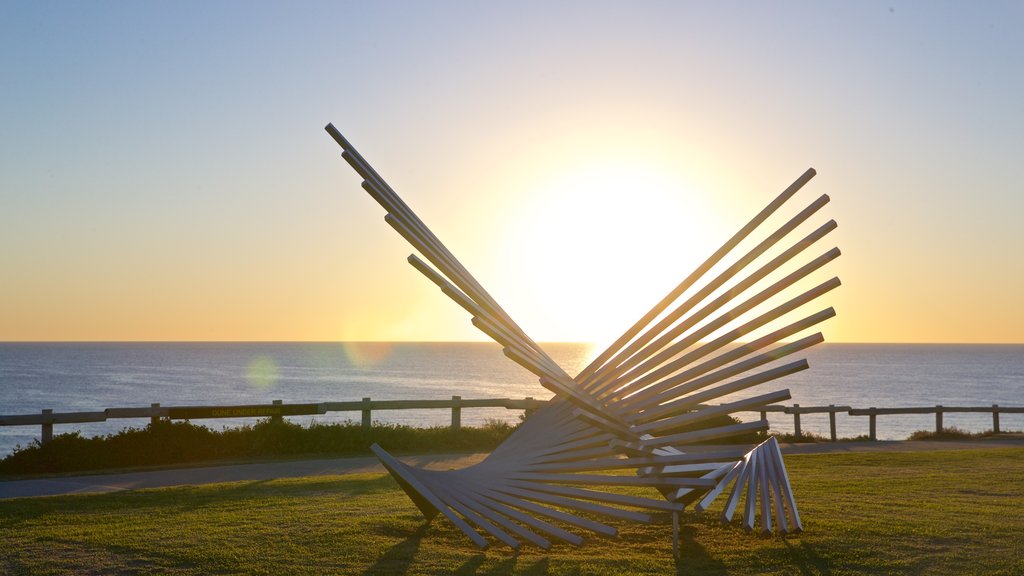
pixel 275 411
pixel 366 406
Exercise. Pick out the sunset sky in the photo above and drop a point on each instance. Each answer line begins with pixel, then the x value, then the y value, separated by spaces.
pixel 164 173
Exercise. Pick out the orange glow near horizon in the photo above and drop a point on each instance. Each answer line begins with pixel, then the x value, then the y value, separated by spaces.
pixel 578 159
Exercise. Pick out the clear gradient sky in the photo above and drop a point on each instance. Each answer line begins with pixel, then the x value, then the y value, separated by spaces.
pixel 164 174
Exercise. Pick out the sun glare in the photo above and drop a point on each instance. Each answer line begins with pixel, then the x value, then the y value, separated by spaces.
pixel 593 248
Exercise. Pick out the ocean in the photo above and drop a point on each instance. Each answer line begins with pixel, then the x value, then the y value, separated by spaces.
pixel 72 377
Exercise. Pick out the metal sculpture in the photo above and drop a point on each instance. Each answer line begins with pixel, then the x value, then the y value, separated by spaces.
pixel 643 404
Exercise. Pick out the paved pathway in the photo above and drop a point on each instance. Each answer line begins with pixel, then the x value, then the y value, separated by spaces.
pixel 98 483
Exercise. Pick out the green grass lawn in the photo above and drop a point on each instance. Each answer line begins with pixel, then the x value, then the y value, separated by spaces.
pixel 953 512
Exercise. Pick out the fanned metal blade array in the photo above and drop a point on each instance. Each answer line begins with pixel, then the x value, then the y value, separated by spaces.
pixel 646 403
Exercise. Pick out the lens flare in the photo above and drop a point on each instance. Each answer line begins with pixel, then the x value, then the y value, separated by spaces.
pixel 261 372
pixel 367 354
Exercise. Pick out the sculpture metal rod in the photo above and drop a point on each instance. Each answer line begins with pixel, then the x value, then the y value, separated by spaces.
pixel 611 498
pixel 685 469
pixel 665 390
pixel 741 480
pixel 509 336
pixel 630 357
pixel 729 337
pixel 600 480
pixel 555 427
pixel 453 499
pixel 676 422
pixel 775 488
pixel 659 407
pixel 538 492
pixel 695 275
pixel 655 422
pixel 638 462
pixel 751 496
pixel 530 521
pixel 483 319
pixel 501 336
pixel 509 496
pixel 710 497
pixel 592 525
pixel 646 373
pixel 687 496
pixel 434 251
pixel 563 385
pixel 715 304
pixel 706 434
pixel 609 423
pixel 609 373
pixel 488 511
pixel 528 436
pixel 599 446
pixel 765 488
pixel 732 335
pixel 388 199
pixel 403 473
pixel 386 196
pixel 549 429
pixel 494 503
pixel 786 489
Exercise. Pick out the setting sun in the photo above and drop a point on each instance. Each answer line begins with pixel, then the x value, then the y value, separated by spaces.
pixel 592 248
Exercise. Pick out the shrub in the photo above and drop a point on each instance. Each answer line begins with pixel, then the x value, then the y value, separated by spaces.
pixel 803 438
pixel 168 442
pixel 951 433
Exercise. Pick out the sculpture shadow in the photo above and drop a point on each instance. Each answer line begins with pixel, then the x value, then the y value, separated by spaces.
pixel 693 558
pixel 807 559
pixel 472 567
pixel 398 558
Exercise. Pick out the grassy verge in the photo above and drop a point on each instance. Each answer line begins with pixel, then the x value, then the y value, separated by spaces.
pixel 169 443
pixel 939 513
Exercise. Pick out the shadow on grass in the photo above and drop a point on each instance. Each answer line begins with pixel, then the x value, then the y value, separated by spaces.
pixel 693 558
pixel 399 557
pixel 807 560
pixel 539 567
pixel 472 567
pixel 68 555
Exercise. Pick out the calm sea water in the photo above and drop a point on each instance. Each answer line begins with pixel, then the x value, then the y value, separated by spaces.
pixel 93 376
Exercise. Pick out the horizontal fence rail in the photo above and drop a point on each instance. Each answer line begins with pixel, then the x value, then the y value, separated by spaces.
pixel 277 410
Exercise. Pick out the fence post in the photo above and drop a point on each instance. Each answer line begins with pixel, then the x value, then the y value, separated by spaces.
pixel 47 434
pixel 276 418
pixel 995 418
pixel 529 411
pixel 832 422
pixel 871 424
pixel 796 420
pixel 764 415
pixel 456 413
pixel 154 419
pixel 366 413
pixel 938 419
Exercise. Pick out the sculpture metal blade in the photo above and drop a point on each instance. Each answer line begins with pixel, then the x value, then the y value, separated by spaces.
pixel 643 402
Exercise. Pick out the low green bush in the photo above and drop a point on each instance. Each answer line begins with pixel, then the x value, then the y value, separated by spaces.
pixel 169 442
pixel 954 433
